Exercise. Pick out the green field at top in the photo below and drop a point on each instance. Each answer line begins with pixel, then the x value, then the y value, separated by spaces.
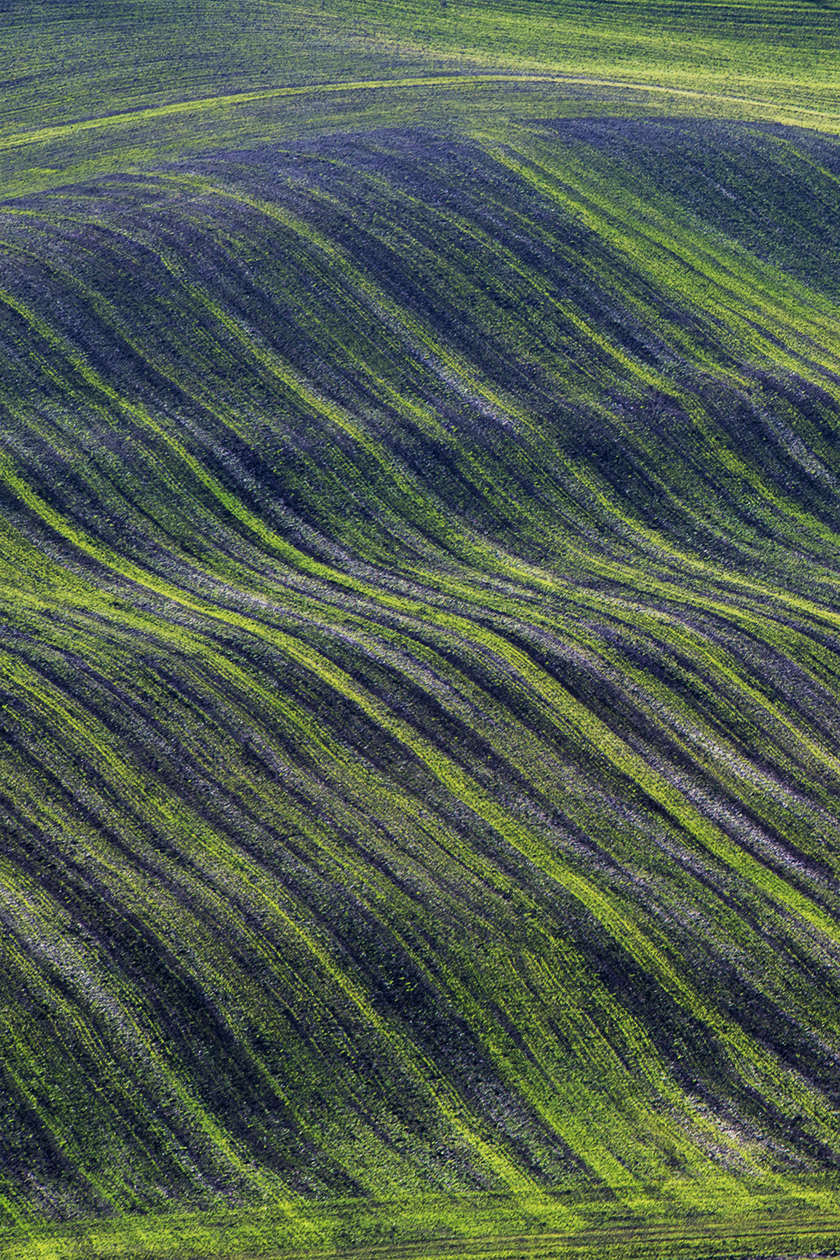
pixel 419 630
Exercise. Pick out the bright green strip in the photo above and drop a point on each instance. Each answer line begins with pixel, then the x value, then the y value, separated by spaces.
pixel 155 112
pixel 822 119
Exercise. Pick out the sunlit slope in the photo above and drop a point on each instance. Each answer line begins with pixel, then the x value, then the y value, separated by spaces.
pixel 419 656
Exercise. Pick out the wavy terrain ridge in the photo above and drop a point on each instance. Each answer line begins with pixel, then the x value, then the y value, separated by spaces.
pixel 418 755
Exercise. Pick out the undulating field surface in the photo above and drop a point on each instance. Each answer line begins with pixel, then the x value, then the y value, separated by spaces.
pixel 420 632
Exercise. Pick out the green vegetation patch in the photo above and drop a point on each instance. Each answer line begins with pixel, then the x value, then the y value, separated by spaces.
pixel 477 1227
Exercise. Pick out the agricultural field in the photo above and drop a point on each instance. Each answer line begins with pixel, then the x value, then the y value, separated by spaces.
pixel 420 630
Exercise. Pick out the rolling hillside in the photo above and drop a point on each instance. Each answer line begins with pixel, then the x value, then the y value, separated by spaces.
pixel 420 582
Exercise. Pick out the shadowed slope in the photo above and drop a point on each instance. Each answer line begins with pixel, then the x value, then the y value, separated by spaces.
pixel 420 573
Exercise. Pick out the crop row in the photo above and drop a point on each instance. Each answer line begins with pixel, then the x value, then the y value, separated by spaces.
pixel 419 654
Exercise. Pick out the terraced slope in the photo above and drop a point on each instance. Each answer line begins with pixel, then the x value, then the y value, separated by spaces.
pixel 419 637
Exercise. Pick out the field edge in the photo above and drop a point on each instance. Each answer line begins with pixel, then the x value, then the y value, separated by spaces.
pixel 699 1221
